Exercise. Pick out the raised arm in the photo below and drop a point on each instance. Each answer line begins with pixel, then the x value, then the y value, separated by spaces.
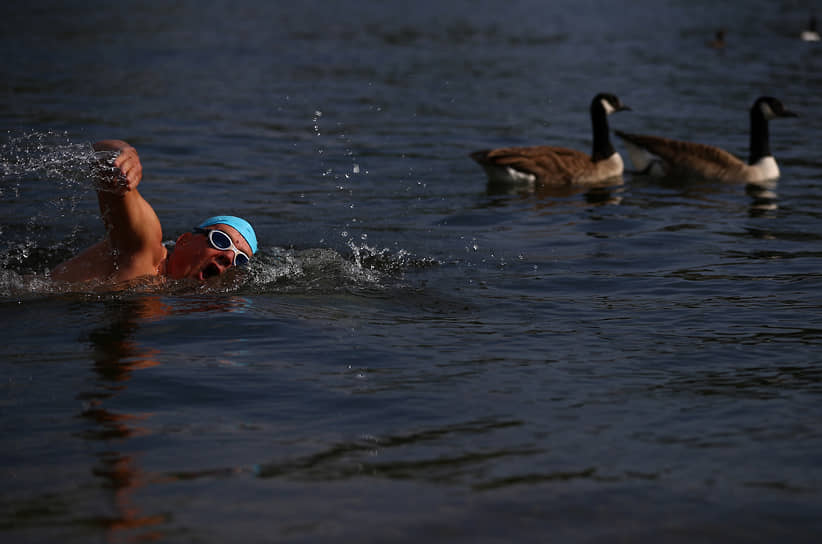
pixel 133 228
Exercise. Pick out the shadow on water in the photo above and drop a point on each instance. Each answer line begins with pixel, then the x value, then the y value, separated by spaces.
pixel 352 459
pixel 381 457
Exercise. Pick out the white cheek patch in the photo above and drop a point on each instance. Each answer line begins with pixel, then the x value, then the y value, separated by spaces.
pixel 767 112
pixel 609 109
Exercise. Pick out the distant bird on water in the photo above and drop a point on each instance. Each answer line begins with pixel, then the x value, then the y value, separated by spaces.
pixel 719 40
pixel 810 34
pixel 655 155
pixel 550 165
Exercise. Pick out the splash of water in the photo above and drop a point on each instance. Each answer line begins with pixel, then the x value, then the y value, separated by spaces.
pixel 385 260
pixel 276 270
pixel 319 270
pixel 48 154
pixel 44 176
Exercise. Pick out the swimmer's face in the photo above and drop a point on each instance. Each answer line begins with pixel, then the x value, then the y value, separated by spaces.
pixel 197 258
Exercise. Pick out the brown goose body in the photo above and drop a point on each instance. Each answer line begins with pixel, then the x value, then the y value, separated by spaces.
pixel 546 164
pixel 686 159
pixel 550 165
pixel 656 155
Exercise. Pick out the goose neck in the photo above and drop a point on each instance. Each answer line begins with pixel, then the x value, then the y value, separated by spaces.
pixel 602 148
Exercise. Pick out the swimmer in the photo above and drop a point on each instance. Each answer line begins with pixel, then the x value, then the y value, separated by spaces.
pixel 133 247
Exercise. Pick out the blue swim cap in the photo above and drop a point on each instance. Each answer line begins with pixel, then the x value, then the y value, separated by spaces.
pixel 241 225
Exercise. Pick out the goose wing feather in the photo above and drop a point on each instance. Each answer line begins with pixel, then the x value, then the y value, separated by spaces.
pixel 544 162
pixel 702 159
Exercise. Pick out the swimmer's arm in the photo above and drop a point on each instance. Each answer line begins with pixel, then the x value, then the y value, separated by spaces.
pixel 132 225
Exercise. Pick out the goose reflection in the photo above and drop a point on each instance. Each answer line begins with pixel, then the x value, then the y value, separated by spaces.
pixel 764 198
pixel 606 192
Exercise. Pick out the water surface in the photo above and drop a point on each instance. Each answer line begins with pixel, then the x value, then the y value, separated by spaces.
pixel 414 355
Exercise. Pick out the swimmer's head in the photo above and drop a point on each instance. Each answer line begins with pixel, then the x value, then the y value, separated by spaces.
pixel 240 225
pixel 204 253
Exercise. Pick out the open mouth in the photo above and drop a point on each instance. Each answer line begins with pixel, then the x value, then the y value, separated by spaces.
pixel 210 271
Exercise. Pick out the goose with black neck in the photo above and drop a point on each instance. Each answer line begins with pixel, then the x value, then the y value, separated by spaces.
pixel 658 156
pixel 552 165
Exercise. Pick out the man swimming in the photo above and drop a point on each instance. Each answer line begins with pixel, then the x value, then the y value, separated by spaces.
pixel 133 247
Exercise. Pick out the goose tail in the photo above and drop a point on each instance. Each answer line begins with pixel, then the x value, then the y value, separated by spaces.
pixel 640 157
pixel 480 156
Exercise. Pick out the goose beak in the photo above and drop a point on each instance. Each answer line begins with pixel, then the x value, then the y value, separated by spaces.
pixel 621 106
pixel 788 113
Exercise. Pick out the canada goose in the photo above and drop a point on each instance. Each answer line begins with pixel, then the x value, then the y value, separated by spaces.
pixel 558 165
pixel 810 34
pixel 661 156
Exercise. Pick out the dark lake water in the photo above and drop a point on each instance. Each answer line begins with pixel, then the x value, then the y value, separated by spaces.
pixel 414 356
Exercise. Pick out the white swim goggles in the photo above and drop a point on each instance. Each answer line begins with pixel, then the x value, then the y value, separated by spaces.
pixel 222 241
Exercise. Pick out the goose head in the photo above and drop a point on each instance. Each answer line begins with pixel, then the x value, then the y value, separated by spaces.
pixel 771 108
pixel 609 103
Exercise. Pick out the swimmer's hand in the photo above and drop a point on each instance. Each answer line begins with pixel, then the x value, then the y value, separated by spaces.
pixel 127 161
